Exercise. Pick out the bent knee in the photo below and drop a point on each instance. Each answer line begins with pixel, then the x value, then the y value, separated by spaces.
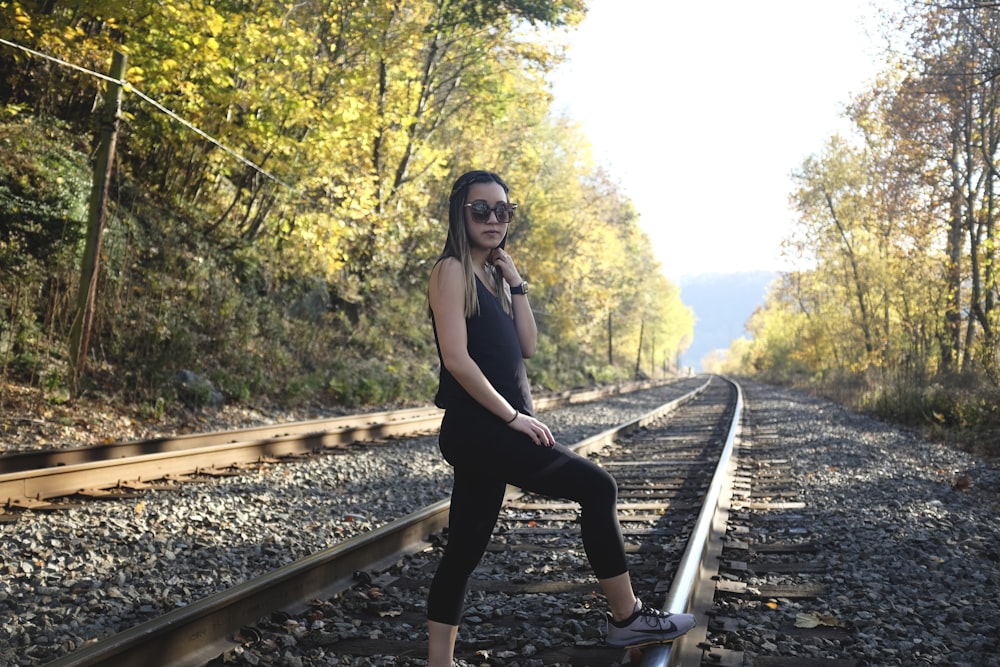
pixel 603 488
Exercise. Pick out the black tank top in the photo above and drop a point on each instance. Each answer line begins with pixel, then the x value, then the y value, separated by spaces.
pixel 494 346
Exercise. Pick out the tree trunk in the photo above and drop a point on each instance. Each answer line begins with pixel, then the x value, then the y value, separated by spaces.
pixel 638 354
pixel 611 359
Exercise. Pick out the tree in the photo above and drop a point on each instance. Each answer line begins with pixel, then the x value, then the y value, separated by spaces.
pixel 284 173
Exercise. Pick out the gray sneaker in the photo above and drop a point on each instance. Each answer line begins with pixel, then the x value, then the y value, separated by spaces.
pixel 648 626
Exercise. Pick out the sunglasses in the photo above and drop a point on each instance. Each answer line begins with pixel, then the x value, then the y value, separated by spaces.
pixel 481 211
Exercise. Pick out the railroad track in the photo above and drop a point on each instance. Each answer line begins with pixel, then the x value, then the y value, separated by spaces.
pixel 771 558
pixel 364 597
pixel 33 480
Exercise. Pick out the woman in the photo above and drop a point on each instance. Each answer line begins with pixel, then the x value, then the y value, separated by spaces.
pixel 484 329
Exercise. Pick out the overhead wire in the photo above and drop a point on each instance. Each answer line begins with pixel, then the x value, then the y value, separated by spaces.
pixel 126 86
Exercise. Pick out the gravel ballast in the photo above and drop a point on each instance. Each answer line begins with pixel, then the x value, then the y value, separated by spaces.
pixel 907 533
pixel 912 523
pixel 75 575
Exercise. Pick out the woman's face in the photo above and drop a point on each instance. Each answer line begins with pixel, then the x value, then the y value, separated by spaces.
pixel 486 234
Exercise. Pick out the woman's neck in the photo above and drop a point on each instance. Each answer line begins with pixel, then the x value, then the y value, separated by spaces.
pixel 482 269
pixel 479 257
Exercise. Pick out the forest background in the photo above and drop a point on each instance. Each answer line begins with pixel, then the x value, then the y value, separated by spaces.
pixel 896 307
pixel 292 265
pixel 281 253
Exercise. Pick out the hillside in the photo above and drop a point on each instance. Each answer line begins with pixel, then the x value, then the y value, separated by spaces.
pixel 269 224
pixel 722 304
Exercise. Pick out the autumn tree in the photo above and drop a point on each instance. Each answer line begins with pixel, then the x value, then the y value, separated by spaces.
pixel 283 180
pixel 899 221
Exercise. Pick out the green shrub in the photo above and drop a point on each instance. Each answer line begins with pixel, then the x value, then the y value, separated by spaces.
pixel 44 192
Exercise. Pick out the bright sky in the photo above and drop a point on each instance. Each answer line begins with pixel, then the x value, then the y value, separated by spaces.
pixel 701 110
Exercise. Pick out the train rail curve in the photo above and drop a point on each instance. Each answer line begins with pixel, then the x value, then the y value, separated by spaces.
pixel 364 597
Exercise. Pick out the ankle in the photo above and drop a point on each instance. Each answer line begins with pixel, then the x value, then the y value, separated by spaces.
pixel 625 613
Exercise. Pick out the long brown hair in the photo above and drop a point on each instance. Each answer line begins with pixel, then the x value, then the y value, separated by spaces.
pixel 457 243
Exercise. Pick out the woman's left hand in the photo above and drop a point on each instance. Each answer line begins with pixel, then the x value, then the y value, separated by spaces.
pixel 534 429
pixel 501 260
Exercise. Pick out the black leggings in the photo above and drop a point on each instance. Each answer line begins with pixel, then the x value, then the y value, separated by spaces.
pixel 487 455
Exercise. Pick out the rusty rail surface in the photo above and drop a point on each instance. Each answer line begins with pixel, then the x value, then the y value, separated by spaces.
pixel 39 477
pixel 350 427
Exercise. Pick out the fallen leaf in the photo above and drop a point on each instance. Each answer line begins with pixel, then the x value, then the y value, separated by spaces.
pixel 812 619
pixel 806 620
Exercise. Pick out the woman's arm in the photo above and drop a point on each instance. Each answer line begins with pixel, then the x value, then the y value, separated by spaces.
pixel 447 297
pixel 524 319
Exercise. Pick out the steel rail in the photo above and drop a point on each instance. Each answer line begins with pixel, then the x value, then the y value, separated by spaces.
pixel 32 460
pixel 349 425
pixel 217 452
pixel 689 583
pixel 198 632
pixel 29 488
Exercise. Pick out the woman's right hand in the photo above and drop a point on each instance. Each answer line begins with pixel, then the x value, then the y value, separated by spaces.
pixel 534 429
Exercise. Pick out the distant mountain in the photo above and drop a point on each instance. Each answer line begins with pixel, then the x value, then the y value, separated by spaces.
pixel 722 304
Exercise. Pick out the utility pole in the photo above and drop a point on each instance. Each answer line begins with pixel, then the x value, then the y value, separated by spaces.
pixel 638 351
pixel 79 334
